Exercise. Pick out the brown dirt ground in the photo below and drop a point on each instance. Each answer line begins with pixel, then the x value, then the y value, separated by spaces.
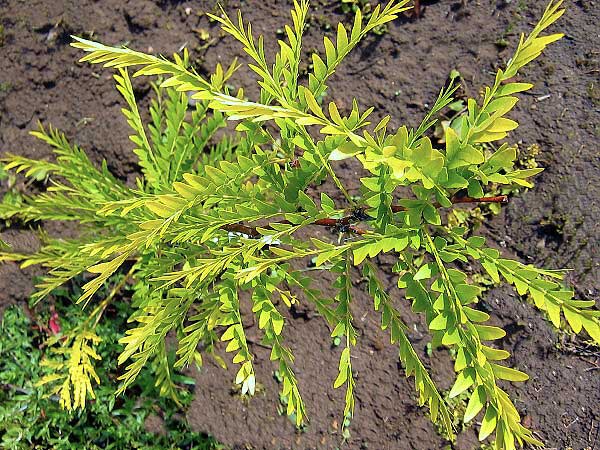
pixel 554 225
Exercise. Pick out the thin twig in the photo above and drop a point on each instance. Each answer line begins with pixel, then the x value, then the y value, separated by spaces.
pixel 345 224
pixel 456 200
pixel 17 389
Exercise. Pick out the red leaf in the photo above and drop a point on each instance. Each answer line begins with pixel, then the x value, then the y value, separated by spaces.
pixel 54 323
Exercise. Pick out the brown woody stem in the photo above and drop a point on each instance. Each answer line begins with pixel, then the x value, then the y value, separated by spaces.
pixel 498 199
pixel 344 224
pixel 417 8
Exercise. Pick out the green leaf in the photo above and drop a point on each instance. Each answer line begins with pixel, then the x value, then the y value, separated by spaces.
pixel 502 125
pixel 345 151
pixel 488 424
pixel 425 272
pixel 492 270
pixel 553 312
pixel 343 368
pixel 574 319
pixel 592 327
pixel 494 354
pixel 476 403
pixel 327 202
pixel 467 293
pixel 320 69
pixel 474 189
pixel 509 374
pixel 335 114
pixel 431 215
pixel 312 103
pixel 458 154
pixel 159 209
pixel 501 106
pixel 464 381
pixel 513 88
pixel 489 333
pixel 440 322
pixel 341 379
pixel 475 315
pixel 307 203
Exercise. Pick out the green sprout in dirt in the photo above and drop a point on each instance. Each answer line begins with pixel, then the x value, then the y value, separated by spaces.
pixel 218 215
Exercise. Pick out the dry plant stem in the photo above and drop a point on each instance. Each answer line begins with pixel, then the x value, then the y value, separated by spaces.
pixel 344 224
pixel 417 8
pixel 455 200
pixel 17 389
pixel 497 199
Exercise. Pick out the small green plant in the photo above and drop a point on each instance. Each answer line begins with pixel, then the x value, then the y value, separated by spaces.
pixel 366 8
pixel 218 214
pixel 31 415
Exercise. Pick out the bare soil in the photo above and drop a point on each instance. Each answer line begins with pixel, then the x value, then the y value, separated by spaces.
pixel 554 225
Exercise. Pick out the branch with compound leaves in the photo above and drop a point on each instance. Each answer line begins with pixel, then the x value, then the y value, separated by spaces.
pixel 346 224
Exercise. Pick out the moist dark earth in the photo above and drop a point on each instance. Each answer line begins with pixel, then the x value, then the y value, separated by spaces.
pixel 554 225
